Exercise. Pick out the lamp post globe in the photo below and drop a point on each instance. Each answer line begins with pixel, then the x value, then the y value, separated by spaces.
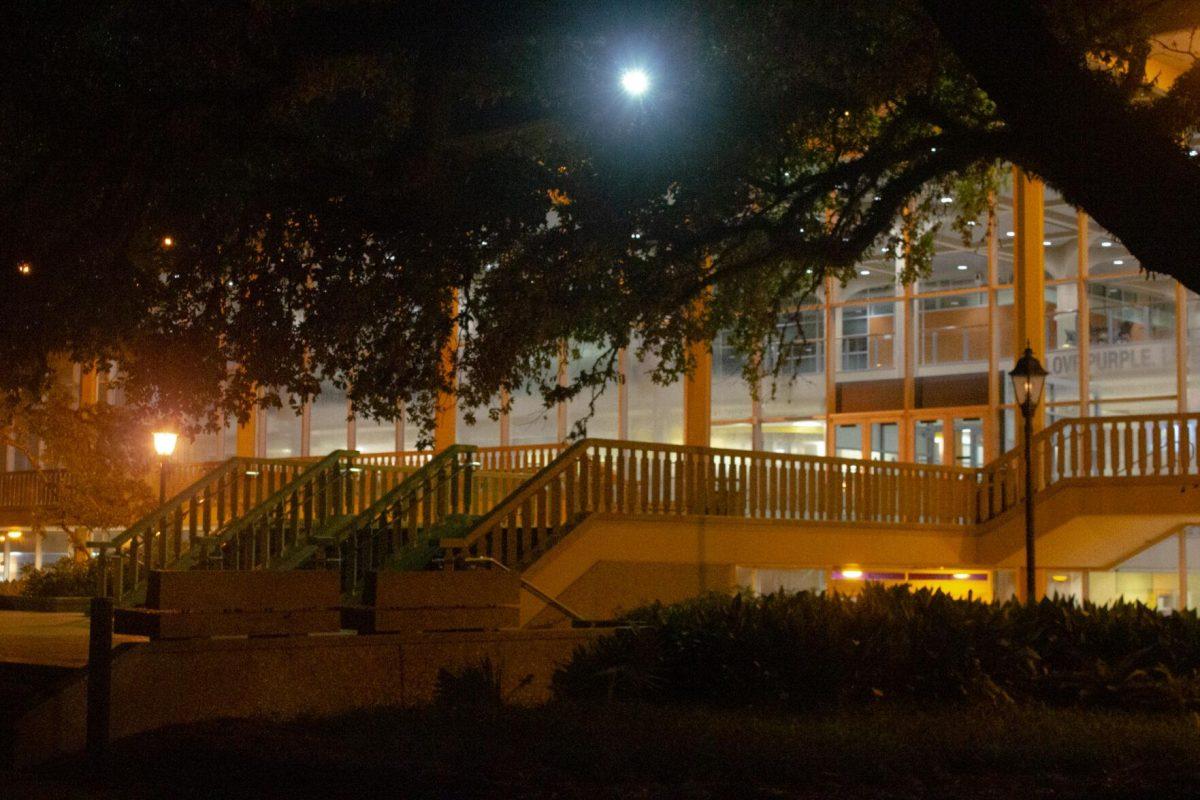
pixel 164 446
pixel 1029 381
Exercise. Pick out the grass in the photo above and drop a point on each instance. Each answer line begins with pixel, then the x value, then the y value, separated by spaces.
pixel 628 751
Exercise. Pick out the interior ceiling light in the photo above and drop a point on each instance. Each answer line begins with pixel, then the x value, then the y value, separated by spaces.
pixel 864 272
pixel 1106 244
pixel 1010 234
pixel 1118 261
pixel 1047 243
pixel 963 267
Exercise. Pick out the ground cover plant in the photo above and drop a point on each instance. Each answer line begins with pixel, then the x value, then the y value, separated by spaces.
pixel 804 650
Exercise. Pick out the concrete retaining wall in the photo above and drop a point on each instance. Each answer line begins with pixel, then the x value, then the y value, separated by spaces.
pixel 174 682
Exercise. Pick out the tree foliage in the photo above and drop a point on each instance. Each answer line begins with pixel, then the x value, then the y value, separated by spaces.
pixel 94 461
pixel 346 184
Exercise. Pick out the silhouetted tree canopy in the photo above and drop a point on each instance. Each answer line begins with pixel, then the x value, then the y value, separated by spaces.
pixel 343 182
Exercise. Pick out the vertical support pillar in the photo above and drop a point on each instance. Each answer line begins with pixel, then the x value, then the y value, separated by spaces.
pixel 399 427
pixel 560 408
pixel 38 536
pixel 1183 570
pixel 89 386
pixel 445 418
pixel 8 558
pixel 1181 347
pixel 697 396
pixel 306 429
pixel 830 369
pixel 1083 320
pixel 351 428
pixel 505 420
pixel 247 435
pixel 993 447
pixel 1030 277
pixel 622 394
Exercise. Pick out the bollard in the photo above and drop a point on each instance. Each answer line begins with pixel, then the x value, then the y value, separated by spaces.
pixel 99 676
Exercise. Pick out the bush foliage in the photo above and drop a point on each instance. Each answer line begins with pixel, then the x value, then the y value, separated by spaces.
pixel 64 578
pixel 808 650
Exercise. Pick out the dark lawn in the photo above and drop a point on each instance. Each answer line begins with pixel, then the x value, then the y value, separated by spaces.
pixel 647 752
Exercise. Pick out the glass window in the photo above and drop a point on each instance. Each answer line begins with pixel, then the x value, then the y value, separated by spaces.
pixel 283 431
pixel 737 436
pixel 602 422
pixel 1062 342
pixel 799 437
pixel 953 331
pixel 730 392
pixel 885 441
pixel 867 341
pixel 374 436
pixel 848 441
pixel 968 442
pixel 329 421
pixel 799 387
pixel 928 442
pixel 1131 326
pixel 655 410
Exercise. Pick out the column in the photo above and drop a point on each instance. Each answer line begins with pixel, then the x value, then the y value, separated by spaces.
pixel 622 396
pixel 38 536
pixel 1030 277
pixel 445 418
pixel 89 386
pixel 247 435
pixel 697 396
pixel 1083 317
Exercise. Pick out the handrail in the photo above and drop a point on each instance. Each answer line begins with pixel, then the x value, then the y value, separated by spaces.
pixel 1134 446
pixel 204 506
pixel 439 489
pixel 577 619
pixel 604 475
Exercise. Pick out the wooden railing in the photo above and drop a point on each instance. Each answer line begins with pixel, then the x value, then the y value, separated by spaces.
pixel 596 475
pixel 221 495
pixel 403 518
pixel 336 486
pixel 1152 445
pixel 29 489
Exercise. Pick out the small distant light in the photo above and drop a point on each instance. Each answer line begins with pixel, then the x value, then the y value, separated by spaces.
pixel 1047 243
pixel 1059 578
pixel 1010 234
pixel 972 223
pixel 852 574
pixel 635 81
pixel 962 576
pixel 808 271
pixel 251 473
pixel 14 534
pixel 933 149
pixel 1193 153
pixel 877 198
pixel 24 268
pixel 1118 261
pixel 864 272
pixel 168 242
pixel 963 267
pixel 1106 244
pixel 946 199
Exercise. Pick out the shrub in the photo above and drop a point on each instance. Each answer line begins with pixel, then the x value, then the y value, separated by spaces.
pixel 64 578
pixel 805 650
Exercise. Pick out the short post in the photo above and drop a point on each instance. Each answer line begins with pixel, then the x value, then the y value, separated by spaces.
pixel 99 676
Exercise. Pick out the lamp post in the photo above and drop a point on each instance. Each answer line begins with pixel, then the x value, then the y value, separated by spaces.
pixel 164 445
pixel 1029 380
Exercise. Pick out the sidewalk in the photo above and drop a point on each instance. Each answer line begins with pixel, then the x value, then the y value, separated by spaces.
pixel 52 639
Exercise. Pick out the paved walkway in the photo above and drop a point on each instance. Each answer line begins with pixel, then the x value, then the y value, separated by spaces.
pixel 51 638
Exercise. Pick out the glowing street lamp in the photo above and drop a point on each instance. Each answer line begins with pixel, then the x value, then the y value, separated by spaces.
pixel 164 445
pixel 1029 380
pixel 635 82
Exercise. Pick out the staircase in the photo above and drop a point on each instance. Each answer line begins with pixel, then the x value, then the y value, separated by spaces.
pixel 239 515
